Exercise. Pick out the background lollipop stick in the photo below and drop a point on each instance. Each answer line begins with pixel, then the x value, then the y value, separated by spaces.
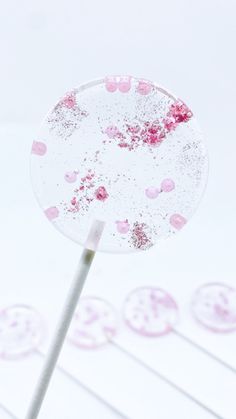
pixel 94 311
pixel 166 380
pixel 204 350
pixel 21 332
pixel 65 320
pixel 7 411
pixel 87 389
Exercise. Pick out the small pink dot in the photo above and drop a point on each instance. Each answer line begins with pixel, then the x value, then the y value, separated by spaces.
pixel 39 148
pixel 152 192
pixel 73 201
pixel 111 131
pixel 69 101
pixel 70 177
pixel 122 226
pixel 167 185
pixel 144 87
pixel 101 193
pixel 124 84
pixel 111 84
pixel 177 221
pixel 51 213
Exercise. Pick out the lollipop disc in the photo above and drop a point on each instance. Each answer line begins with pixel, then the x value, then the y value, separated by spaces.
pixel 150 311
pixel 124 151
pixel 94 323
pixel 21 331
pixel 214 306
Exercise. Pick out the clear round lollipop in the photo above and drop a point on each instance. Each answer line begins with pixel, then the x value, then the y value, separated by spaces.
pixel 150 311
pixel 94 323
pixel 118 164
pixel 21 331
pixel 214 306
pixel 123 151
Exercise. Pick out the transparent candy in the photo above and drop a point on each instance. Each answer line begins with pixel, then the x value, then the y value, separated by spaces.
pixel 214 306
pixel 21 331
pixel 124 151
pixel 94 323
pixel 150 311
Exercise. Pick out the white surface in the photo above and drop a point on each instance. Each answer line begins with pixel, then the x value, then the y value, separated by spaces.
pixel 47 48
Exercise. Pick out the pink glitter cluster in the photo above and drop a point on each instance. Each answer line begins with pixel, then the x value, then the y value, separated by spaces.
pixel 86 193
pixel 151 133
pixel 66 116
pixel 140 237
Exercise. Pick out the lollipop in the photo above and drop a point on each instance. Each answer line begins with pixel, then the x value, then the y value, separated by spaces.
pixel 94 324
pixel 21 333
pixel 152 312
pixel 118 164
pixel 123 151
pixel 214 306
pixel 149 311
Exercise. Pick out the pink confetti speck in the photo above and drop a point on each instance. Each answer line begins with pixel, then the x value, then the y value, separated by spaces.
pixel 152 134
pixel 177 221
pixel 111 84
pixel 69 101
pixel 39 148
pixel 101 193
pixel 180 112
pixel 122 226
pixel 144 87
pixel 124 84
pixel 51 213
pixel 71 177
pixel 167 185
pixel 170 124
pixel 112 131
pixel 152 192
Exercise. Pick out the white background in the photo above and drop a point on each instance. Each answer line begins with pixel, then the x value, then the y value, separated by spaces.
pixel 48 47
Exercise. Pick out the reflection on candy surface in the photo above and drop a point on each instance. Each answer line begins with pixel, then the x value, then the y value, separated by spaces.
pixel 150 311
pixel 140 157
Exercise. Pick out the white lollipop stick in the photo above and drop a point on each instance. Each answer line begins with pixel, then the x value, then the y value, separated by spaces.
pixel 66 317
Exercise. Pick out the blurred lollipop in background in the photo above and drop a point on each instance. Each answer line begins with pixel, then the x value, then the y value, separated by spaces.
pixel 214 307
pixel 149 311
pixel 22 330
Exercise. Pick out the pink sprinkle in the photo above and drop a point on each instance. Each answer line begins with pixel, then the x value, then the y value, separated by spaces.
pixel 73 201
pixel 152 192
pixel 122 226
pixel 180 112
pixel 112 131
pixel 39 148
pixel 167 185
pixel 69 101
pixel 111 84
pixel 51 213
pixel 144 87
pixel 124 84
pixel 101 193
pixel 169 124
pixel 177 221
pixel 71 177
